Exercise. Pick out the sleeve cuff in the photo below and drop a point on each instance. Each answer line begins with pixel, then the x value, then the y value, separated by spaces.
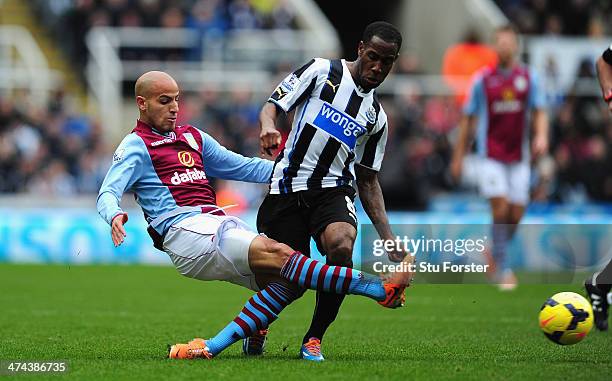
pixel 277 104
pixel 365 166
pixel 117 215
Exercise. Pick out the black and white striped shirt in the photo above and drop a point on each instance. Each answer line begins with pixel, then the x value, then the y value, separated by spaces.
pixel 336 124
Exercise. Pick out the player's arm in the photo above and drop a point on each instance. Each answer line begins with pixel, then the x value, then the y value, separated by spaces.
pixel 369 154
pixel 539 145
pixel 269 136
pixel 466 127
pixel 539 117
pixel 604 74
pixel 291 92
pixel 222 163
pixel 464 136
pixel 123 173
pixel 370 194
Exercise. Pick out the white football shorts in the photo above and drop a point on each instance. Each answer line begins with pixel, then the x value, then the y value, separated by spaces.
pixel 211 247
pixel 497 179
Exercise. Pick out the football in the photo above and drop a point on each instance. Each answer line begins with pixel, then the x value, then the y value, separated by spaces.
pixel 566 318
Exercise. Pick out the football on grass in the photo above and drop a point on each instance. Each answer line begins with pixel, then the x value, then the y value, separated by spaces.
pixel 566 318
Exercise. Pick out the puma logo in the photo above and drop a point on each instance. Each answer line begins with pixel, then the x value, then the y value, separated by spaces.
pixel 328 82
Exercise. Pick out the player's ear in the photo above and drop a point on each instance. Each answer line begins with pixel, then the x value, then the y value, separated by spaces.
pixel 360 48
pixel 141 102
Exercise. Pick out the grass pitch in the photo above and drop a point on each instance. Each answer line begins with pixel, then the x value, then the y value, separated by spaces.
pixel 113 322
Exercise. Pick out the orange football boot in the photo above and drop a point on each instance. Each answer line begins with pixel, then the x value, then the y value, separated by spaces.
pixel 195 349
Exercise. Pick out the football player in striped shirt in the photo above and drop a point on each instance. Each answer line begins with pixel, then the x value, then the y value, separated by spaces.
pixel 598 286
pixel 338 135
pixel 167 167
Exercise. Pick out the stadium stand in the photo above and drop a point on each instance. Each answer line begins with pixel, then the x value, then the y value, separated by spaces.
pixel 54 149
pixel 576 18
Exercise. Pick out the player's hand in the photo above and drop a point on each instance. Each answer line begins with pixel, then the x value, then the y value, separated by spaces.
pixel 269 139
pixel 396 255
pixel 117 229
pixel 456 167
pixel 539 146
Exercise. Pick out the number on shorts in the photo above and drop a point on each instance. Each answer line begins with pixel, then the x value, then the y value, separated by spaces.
pixel 351 208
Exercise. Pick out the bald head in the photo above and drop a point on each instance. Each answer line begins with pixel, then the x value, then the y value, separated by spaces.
pixel 152 82
pixel 157 97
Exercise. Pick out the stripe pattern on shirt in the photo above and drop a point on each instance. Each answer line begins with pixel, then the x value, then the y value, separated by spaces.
pixel 335 125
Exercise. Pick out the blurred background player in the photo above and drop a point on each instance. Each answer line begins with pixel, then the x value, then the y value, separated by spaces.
pixel 500 102
pixel 339 134
pixel 598 286
pixel 167 167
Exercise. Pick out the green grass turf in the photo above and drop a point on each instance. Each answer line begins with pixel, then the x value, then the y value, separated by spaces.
pixel 113 322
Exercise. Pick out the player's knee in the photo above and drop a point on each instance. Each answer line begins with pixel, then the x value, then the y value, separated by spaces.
pixel 515 218
pixel 340 252
pixel 279 250
pixel 501 215
pixel 267 255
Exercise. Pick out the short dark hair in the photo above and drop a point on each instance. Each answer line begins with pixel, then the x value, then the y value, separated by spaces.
pixel 387 32
pixel 507 28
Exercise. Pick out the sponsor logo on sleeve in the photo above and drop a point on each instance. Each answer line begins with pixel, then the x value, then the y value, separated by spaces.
pixel 290 83
pixel 118 155
pixel 279 93
pixel 287 86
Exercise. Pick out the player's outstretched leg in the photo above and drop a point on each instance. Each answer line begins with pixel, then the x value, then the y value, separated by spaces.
pixel 312 274
pixel 270 257
pixel 258 313
pixel 263 308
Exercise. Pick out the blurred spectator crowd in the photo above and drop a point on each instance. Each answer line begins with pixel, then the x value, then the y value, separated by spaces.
pixel 48 151
pixel 70 20
pixel 553 17
pixel 423 128
pixel 53 151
